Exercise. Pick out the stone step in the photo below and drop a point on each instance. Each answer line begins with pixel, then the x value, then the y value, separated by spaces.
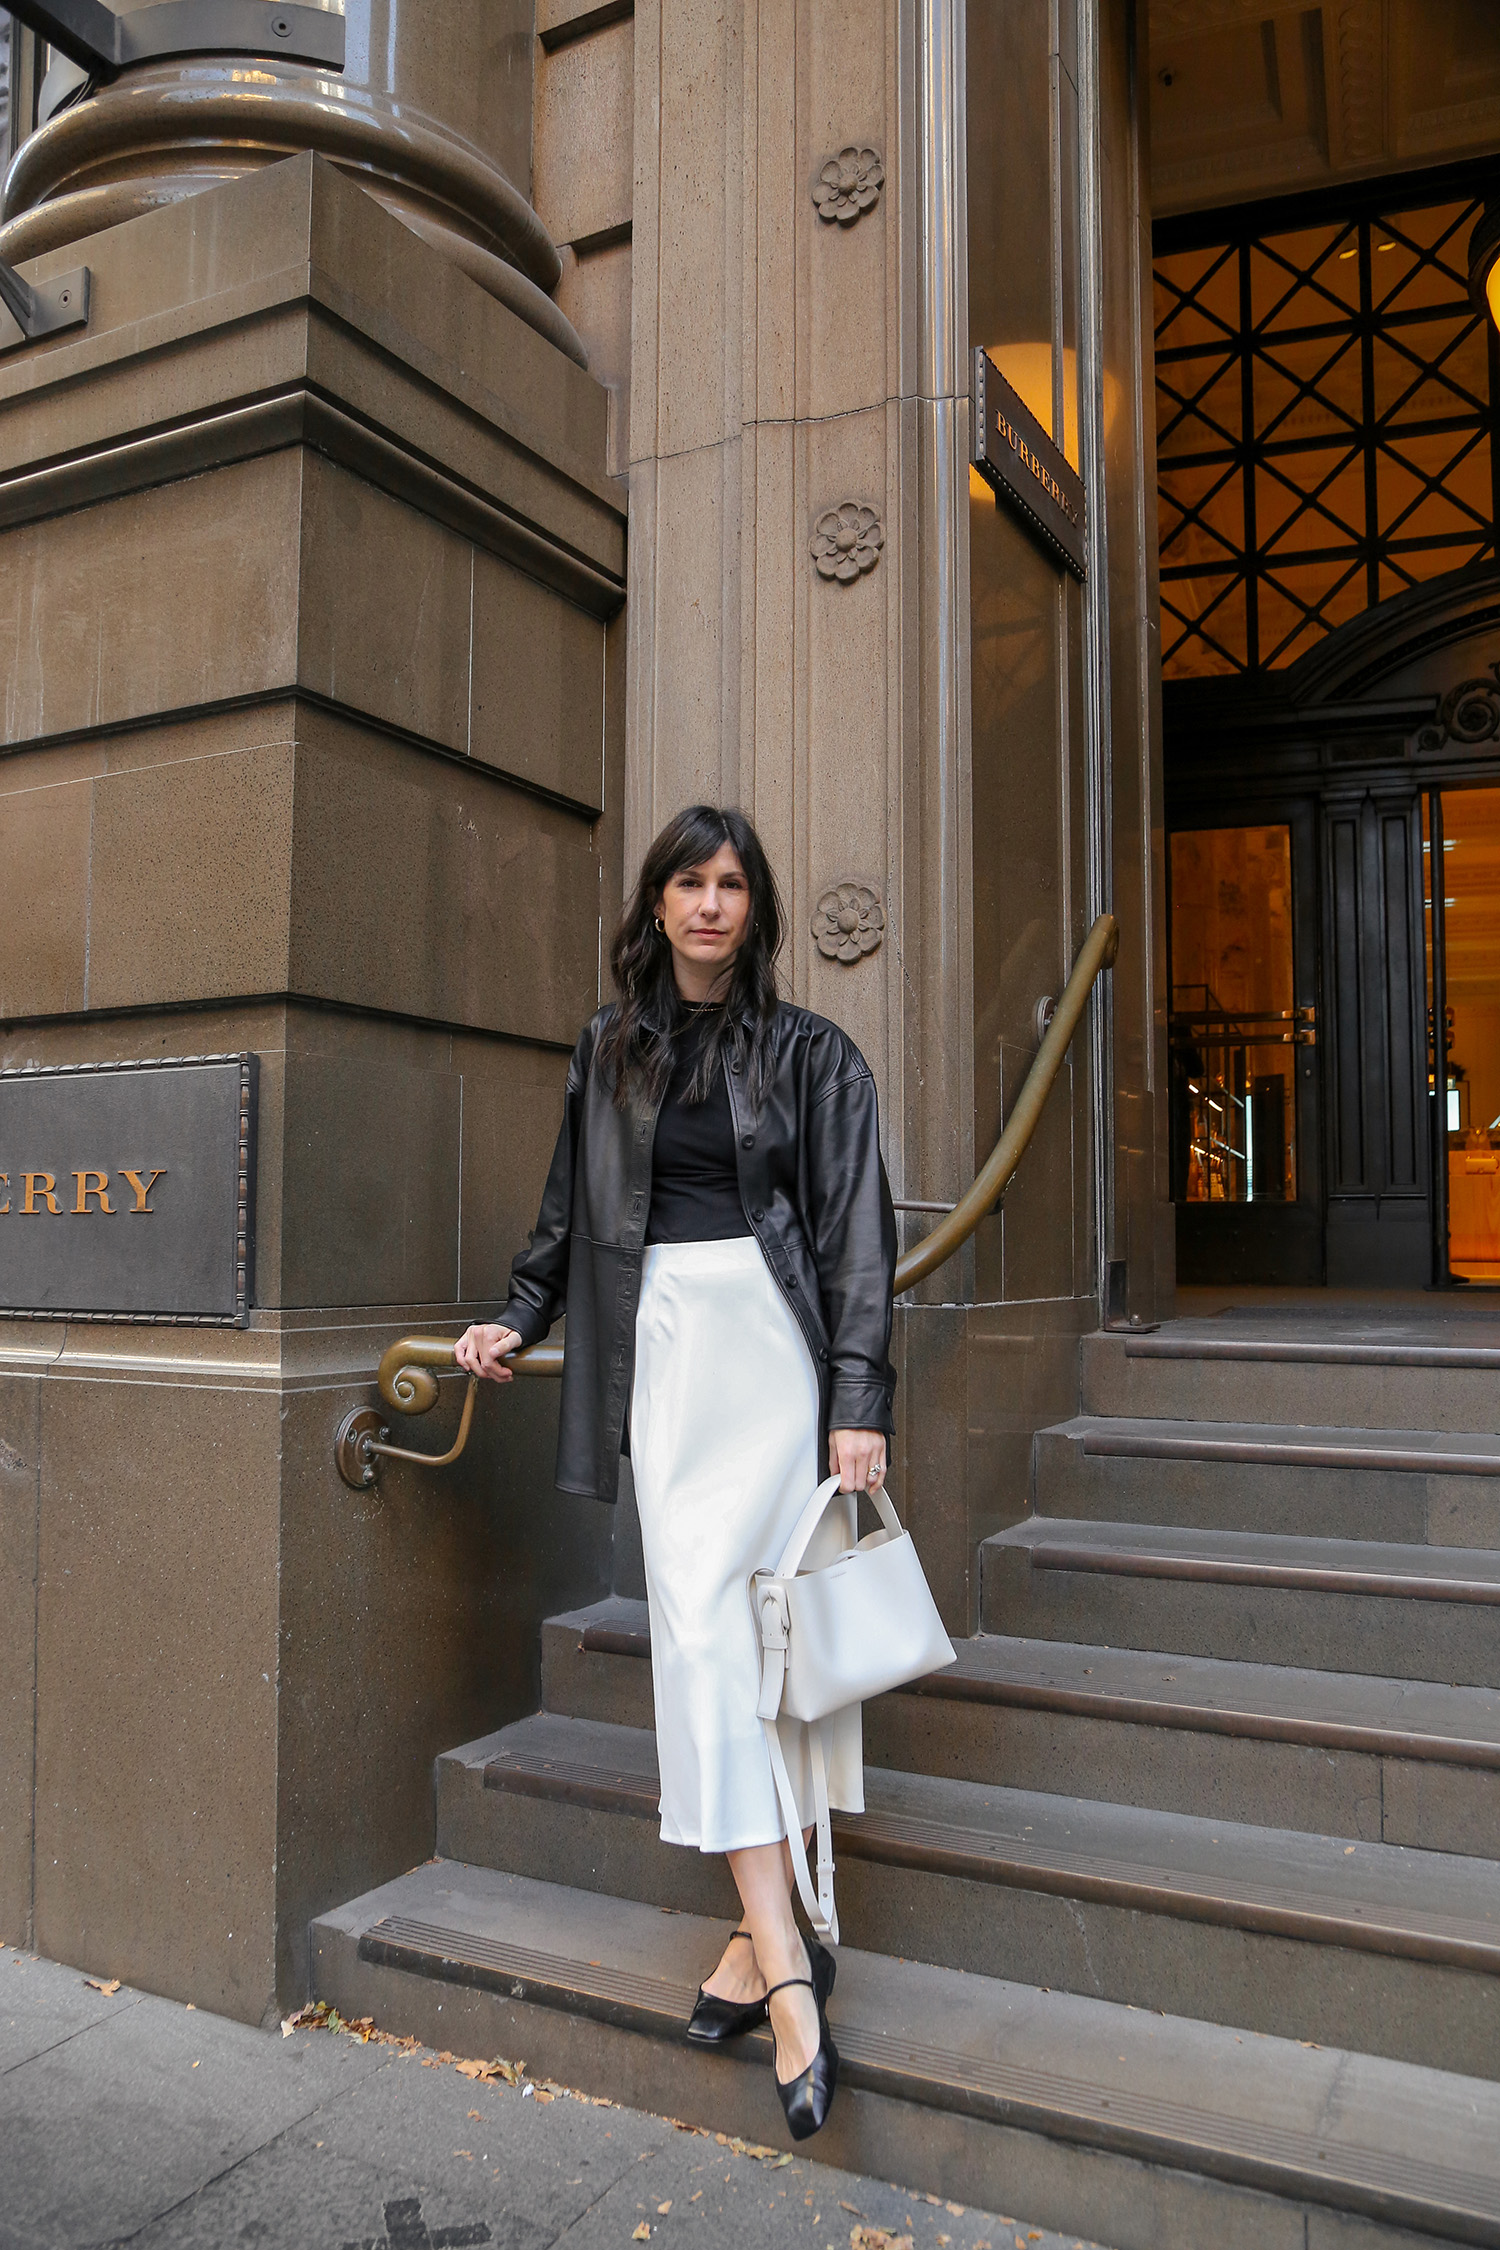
pixel 1436 1374
pixel 1319 1604
pixel 1413 1487
pixel 1133 2127
pixel 1393 1950
pixel 1387 1761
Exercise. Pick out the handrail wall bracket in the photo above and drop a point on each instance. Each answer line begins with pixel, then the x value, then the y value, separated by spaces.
pixel 104 41
pixel 43 308
pixel 405 1376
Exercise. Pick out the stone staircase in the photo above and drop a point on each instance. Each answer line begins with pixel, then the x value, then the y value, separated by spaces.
pixel 1174 1915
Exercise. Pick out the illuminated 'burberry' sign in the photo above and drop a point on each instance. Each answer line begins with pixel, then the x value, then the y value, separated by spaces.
pixel 125 1191
pixel 1014 455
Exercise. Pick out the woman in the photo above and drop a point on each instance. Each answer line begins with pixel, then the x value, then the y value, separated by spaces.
pixel 718 1224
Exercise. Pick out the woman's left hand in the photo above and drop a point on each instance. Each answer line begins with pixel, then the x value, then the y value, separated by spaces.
pixel 858 1457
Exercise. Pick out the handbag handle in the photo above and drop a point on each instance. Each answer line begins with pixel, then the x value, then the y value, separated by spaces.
pixel 812 1515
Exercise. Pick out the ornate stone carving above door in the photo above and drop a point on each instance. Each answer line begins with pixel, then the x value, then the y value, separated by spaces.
pixel 1469 712
pixel 848 185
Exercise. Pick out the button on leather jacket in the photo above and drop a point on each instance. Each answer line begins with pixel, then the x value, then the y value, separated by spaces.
pixel 815 1197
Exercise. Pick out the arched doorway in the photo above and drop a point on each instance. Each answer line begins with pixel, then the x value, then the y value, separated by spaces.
pixel 1309 952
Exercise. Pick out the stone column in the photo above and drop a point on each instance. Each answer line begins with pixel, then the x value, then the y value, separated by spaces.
pixel 431 114
pixel 831 207
pixel 310 579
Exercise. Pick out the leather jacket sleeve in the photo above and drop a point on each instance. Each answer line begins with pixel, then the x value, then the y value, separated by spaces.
pixel 854 1248
pixel 539 1275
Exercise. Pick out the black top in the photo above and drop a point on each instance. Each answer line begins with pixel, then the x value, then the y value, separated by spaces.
pixel 695 1184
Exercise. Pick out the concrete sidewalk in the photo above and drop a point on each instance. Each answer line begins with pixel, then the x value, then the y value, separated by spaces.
pixel 125 2118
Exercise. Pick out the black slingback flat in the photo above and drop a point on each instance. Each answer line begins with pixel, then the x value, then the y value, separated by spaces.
pixel 714 2020
pixel 807 2098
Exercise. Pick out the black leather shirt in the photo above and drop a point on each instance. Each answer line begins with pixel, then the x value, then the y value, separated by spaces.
pixel 813 1192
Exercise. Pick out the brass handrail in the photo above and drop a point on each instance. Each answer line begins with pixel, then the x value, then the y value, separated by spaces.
pixel 404 1376
pixel 1097 952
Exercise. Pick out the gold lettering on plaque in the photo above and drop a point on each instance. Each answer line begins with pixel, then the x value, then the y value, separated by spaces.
pixel 1034 467
pixel 142 1191
pixel 47 1191
pixel 91 1183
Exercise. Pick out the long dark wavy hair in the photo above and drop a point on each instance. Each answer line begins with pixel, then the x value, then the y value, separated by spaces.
pixel 640 1044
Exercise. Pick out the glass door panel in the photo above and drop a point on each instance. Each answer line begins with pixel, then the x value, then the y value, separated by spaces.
pixel 1469 930
pixel 1235 1025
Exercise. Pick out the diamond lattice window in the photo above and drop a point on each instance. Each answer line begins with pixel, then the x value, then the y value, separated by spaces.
pixel 1323 429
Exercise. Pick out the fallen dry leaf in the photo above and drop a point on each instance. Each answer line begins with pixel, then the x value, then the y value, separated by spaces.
pixel 311 2018
pixel 663 2208
pixel 877 2238
pixel 642 2233
pixel 478 2120
pixel 954 2210
pixel 109 1986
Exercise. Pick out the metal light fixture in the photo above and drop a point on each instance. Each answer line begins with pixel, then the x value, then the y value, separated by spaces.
pixel 1484 260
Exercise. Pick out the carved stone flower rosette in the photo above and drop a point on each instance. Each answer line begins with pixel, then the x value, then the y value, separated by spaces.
pixel 849 922
pixel 847 185
pixel 846 541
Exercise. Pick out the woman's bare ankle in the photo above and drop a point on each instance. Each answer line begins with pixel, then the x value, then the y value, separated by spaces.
pixel 795 2026
pixel 738 1974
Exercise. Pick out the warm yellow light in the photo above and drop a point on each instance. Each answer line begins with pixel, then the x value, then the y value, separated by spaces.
pixel 1492 291
pixel 1028 370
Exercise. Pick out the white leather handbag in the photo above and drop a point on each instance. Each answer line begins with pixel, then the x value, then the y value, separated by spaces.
pixel 862 1624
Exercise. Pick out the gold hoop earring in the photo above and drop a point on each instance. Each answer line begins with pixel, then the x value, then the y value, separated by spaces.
pixel 661 927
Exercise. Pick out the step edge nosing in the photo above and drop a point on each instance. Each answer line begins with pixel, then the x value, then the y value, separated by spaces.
pixel 1283 2177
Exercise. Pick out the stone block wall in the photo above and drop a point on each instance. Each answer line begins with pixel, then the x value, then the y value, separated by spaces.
pixel 310 580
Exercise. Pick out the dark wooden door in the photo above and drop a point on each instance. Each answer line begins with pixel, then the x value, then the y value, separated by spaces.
pixel 1373 1042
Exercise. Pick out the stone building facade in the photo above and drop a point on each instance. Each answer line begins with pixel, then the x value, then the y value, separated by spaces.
pixel 433 503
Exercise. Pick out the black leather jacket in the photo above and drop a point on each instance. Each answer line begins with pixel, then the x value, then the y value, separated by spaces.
pixel 815 1196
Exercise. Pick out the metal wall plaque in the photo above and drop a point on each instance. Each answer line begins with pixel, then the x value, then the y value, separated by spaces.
pixel 1015 456
pixel 126 1191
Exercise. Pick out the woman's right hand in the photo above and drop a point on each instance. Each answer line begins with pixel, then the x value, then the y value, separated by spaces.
pixel 483 1350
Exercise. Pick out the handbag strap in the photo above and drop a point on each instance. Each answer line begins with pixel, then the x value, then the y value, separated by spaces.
pixel 819 1904
pixel 812 1515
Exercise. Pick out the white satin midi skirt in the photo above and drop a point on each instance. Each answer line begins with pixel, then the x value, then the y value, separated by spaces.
pixel 724 1452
